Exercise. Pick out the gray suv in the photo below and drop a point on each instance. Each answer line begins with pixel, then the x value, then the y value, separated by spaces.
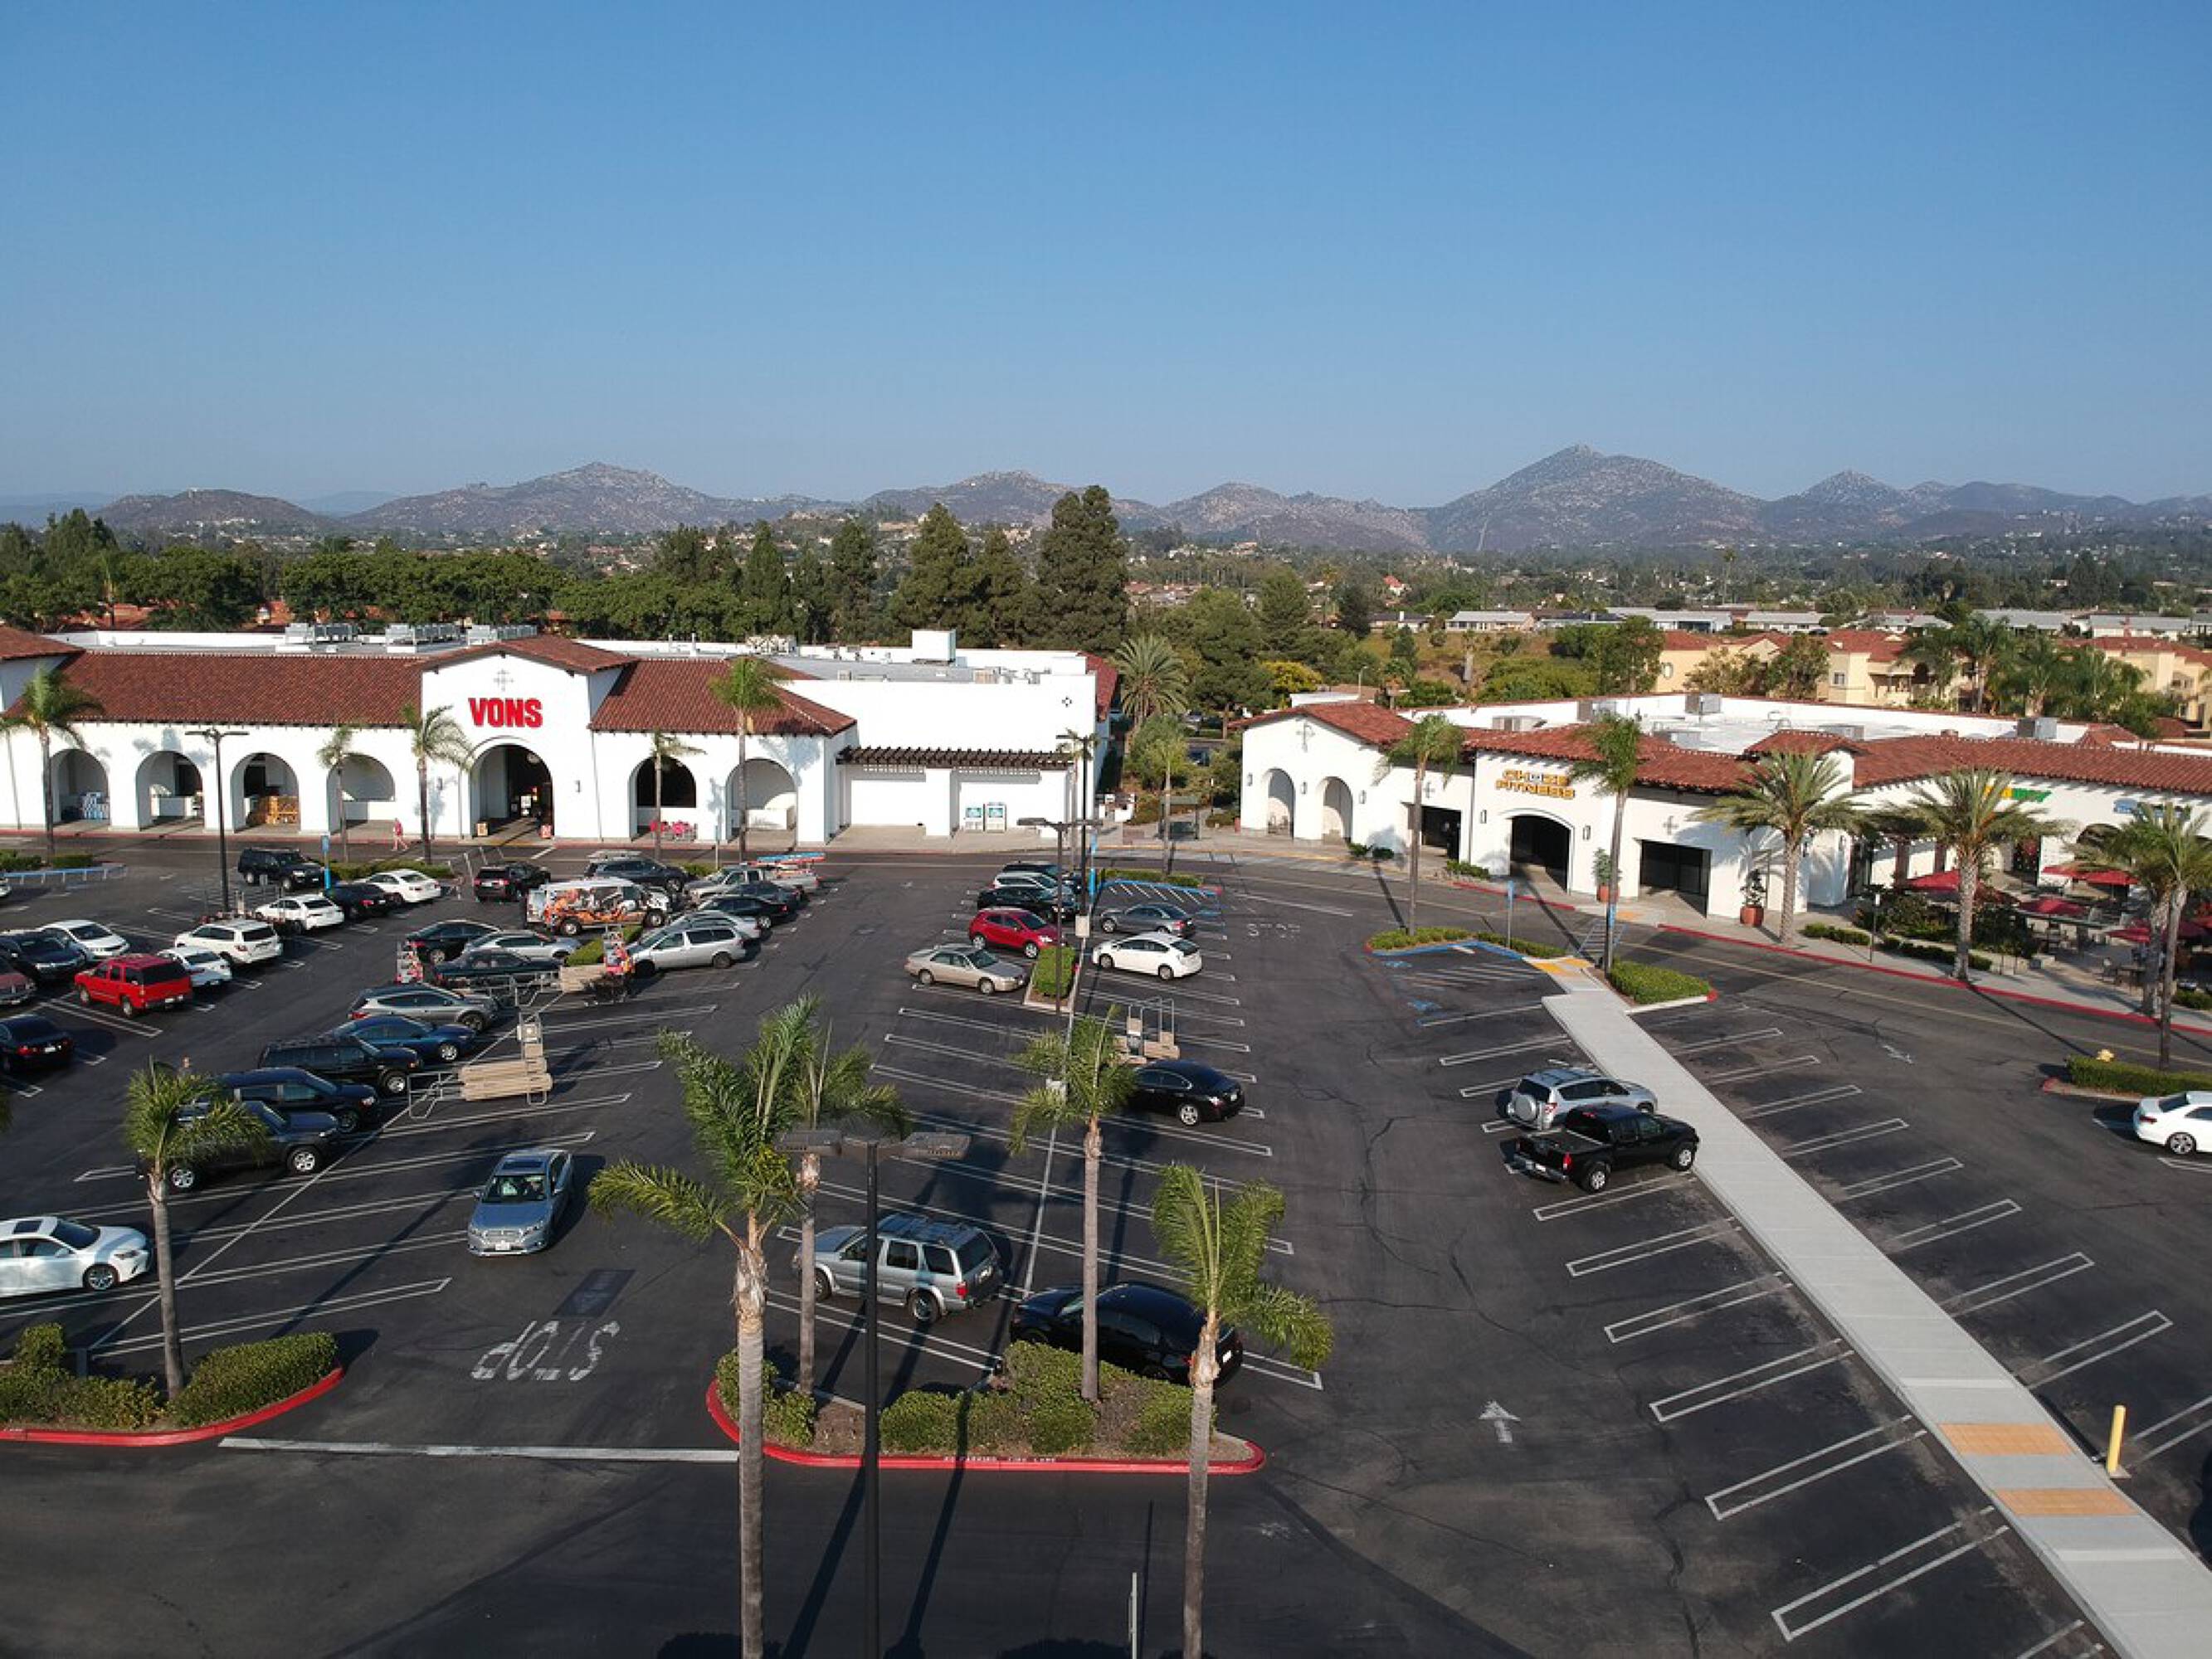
pixel 935 1268
pixel 1542 1095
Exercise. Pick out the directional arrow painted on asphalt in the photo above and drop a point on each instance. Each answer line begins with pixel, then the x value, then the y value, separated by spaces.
pixel 1501 1420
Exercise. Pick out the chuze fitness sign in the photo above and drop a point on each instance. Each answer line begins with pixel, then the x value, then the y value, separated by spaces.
pixel 512 713
pixel 1559 785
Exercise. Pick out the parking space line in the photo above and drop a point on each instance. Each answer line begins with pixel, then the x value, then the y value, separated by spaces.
pixel 285 1316
pixel 1833 1458
pixel 1497 1125
pixel 1644 1250
pixel 1896 1178
pixel 2055 1639
pixel 1888 1126
pixel 1496 1084
pixel 899 1040
pixel 1484 1013
pixel 1818 1097
pixel 375 1252
pixel 1671 1313
pixel 1706 1395
pixel 1966 1221
pixel 1699 1047
pixel 1792 1628
pixel 1999 1291
pixel 341 1213
pixel 2144 1326
pixel 1745 1074
pixel 137 1027
pixel 657 1016
pixel 1522 1048
pixel 2146 1446
pixel 432 1125
pixel 1221 1044
pixel 1621 1195
pixel 956 1019
pixel 2186 1167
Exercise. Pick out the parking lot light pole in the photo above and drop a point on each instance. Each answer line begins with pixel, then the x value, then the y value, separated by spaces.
pixel 222 788
pixel 835 1143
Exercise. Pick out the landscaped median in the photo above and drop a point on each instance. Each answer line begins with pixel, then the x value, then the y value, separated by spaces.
pixel 1643 983
pixel 2117 1079
pixel 44 1401
pixel 1033 1417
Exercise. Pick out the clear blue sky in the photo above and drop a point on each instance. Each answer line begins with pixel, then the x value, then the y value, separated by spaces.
pixel 1393 251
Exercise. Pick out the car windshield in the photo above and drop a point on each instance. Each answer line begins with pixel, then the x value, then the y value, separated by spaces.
pixel 76 1234
pixel 982 960
pixel 516 1189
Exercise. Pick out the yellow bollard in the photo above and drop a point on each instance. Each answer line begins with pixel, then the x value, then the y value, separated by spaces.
pixel 2112 1445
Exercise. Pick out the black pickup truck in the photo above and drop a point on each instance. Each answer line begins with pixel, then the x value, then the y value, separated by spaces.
pixel 1587 1145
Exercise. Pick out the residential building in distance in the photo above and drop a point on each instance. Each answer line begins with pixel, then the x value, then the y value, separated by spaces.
pixel 1688 622
pixel 2039 622
pixel 1781 621
pixel 1683 653
pixel 2099 623
pixel 1490 621
pixel 2183 672
pixel 1867 665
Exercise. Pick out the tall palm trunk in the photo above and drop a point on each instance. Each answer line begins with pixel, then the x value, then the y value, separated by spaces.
pixel 743 857
pixel 164 1278
pixel 345 829
pixel 1093 1146
pixel 1205 1367
pixel 46 785
pixel 1790 854
pixel 809 1179
pixel 1969 877
pixel 749 1296
pixel 1413 852
pixel 2180 903
pixel 1612 904
pixel 656 807
pixel 423 803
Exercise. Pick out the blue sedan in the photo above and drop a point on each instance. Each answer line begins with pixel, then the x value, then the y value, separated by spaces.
pixel 433 1044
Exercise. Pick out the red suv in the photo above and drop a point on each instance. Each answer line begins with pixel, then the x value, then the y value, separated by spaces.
pixel 1013 930
pixel 132 984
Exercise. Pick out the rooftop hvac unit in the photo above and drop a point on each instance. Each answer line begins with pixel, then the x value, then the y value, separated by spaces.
pixel 1704 703
pixel 2041 727
pixel 1848 733
pixel 1605 709
pixel 1517 722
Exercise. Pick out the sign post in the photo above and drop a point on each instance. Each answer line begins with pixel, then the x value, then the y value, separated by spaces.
pixel 326 854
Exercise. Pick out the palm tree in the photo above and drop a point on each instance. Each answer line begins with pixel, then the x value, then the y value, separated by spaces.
pixel 749 688
pixel 1797 795
pixel 1972 813
pixel 736 1109
pixel 333 758
pixel 1218 1249
pixel 1618 743
pixel 1078 746
pixel 1080 1079
pixel 170 1119
pixel 1155 682
pixel 2036 672
pixel 830 1086
pixel 1985 645
pixel 2164 850
pixel 1936 653
pixel 50 706
pixel 665 749
pixel 433 734
pixel 1434 742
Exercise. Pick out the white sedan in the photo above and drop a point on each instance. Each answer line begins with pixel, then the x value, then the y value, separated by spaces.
pixel 52 1253
pixel 206 966
pixel 2181 1123
pixel 408 886
pixel 309 910
pixel 96 940
pixel 1150 953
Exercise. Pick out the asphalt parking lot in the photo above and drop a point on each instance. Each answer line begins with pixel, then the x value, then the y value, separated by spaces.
pixel 1551 1421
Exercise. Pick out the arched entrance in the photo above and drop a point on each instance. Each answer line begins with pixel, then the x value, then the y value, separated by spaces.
pixel 768 792
pixel 1541 844
pixel 168 788
pixel 80 786
pixel 679 794
pixel 265 791
pixel 1335 810
pixel 362 791
pixel 508 782
pixel 1282 802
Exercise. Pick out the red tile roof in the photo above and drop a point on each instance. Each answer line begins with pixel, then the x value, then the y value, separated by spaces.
pixel 17 643
pixel 1661 764
pixel 571 654
pixel 1109 681
pixel 1361 720
pixel 676 694
pixel 1862 642
pixel 161 687
pixel 1797 742
pixel 1898 760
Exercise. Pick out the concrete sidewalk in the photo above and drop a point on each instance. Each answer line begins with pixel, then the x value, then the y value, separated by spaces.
pixel 2150 1595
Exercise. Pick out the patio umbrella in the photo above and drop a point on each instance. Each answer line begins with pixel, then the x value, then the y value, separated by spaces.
pixel 2046 904
pixel 1942 881
pixel 2134 933
pixel 2095 878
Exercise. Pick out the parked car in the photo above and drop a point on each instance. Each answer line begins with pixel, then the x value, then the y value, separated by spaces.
pixel 241 943
pixel 521 1204
pixel 502 969
pixel 798 874
pixel 694 941
pixel 933 1267
pixel 309 912
pixel 1189 1090
pixel 524 943
pixel 646 873
pixel 2181 1123
pixel 281 865
pixel 52 1253
pixel 431 1004
pixel 1156 954
pixel 748 927
pixel 16 988
pixel 1540 1096
pixel 287 1090
pixel 345 1058
pixel 1039 870
pixel 408 886
pixel 505 882
pixel 1060 904
pixel 207 968
pixel 1585 1145
pixel 758 912
pixel 1145 1328
pixel 44 959
pixel 1013 930
pixel 567 908
pixel 441 941
pixel 96 938
pixel 32 1043
pixel 302 1142
pixel 970 966
pixel 774 892
pixel 135 985
pixel 361 901
pixel 439 1043
pixel 1147 919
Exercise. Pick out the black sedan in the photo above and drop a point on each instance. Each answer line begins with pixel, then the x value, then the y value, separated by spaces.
pixel 360 899
pixel 489 967
pixel 441 941
pixel 1143 1328
pixel 32 1043
pixel 646 873
pixel 1145 919
pixel 1060 906
pixel 507 881
pixel 288 1090
pixel 772 911
pixel 1188 1089
pixel 42 957
pixel 768 892
pixel 440 1044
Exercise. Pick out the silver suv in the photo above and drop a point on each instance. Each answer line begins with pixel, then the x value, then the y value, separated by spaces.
pixel 1542 1095
pixel 935 1268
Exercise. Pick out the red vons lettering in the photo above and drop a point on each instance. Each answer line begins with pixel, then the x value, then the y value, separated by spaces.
pixel 515 712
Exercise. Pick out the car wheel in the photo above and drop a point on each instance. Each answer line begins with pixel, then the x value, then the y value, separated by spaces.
pixel 473 1020
pixel 392 1083
pixel 1105 959
pixel 348 1120
pixel 984 988
pixel 722 959
pixel 127 1008
pixel 644 966
pixel 1594 1178
pixel 303 1160
pixel 1106 924
pixel 2181 1146
pixel 183 1177
pixel 449 1052
pixel 925 977
pixel 1188 1112
pixel 1684 1156
pixel 922 1306
pixel 825 1284
pixel 100 1276
pixel 570 927
pixel 1166 972
pixel 1030 950
pixel 84 997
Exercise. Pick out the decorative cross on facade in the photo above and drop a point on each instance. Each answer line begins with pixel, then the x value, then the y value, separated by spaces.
pixel 502 679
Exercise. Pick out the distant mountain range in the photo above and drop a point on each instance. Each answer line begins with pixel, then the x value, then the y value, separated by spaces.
pixel 1577 498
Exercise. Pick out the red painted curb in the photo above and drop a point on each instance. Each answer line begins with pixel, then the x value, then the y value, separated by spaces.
pixel 995 1465
pixel 173 1436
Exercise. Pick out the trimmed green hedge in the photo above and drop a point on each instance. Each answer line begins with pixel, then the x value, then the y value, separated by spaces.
pixel 1054 970
pixel 233 1381
pixel 1921 950
pixel 1466 872
pixel 1527 947
pixel 39 1388
pixel 1059 1426
pixel 786 1413
pixel 595 949
pixel 1834 934
pixel 1397 939
pixel 1162 877
pixel 1641 983
pixel 2188 999
pixel 1163 1426
pixel 918 1422
pixel 2117 1076
pixel 1369 853
pixel 13 863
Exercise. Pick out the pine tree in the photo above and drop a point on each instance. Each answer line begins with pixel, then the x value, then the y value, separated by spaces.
pixel 852 569
pixel 812 604
pixel 1286 629
pixel 1003 608
pixel 1355 609
pixel 1083 576
pixel 940 587
pixel 764 590
pixel 1216 625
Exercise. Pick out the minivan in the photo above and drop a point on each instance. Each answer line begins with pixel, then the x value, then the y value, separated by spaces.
pixel 934 1267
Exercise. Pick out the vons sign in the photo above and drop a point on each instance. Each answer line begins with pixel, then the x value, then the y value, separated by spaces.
pixel 509 714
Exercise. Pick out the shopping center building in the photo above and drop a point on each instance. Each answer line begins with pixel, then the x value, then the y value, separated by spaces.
pixel 1318 772
pixel 929 736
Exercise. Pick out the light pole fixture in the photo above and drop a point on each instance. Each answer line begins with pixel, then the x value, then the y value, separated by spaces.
pixel 839 1143
pixel 215 735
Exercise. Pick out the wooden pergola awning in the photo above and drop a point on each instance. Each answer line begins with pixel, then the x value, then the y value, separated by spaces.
pixel 996 760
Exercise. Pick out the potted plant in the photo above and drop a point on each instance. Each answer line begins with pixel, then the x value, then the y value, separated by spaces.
pixel 1605 874
pixel 1755 899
